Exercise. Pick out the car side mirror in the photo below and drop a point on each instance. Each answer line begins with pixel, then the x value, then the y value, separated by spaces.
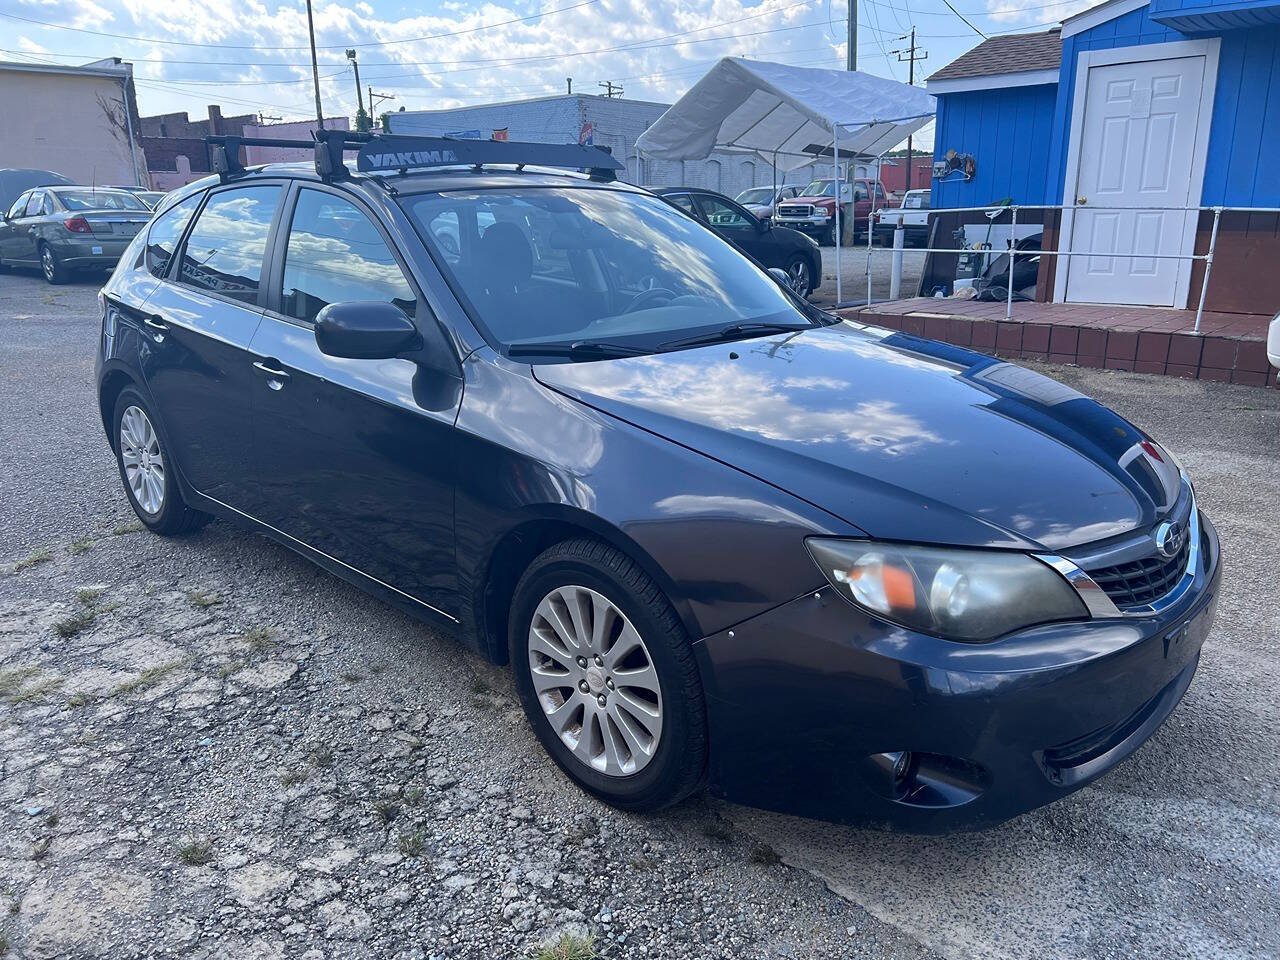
pixel 365 330
pixel 781 276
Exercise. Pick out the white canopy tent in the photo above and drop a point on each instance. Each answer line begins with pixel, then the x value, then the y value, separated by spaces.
pixel 788 116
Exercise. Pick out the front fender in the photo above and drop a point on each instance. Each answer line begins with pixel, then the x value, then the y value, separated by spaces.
pixel 722 544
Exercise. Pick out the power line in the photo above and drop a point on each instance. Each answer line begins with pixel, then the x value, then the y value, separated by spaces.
pixel 966 22
pixel 340 46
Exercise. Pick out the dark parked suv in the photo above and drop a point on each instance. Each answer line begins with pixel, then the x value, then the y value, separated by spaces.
pixel 721 537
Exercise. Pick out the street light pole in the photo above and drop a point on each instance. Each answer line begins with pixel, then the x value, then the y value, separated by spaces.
pixel 351 55
pixel 315 67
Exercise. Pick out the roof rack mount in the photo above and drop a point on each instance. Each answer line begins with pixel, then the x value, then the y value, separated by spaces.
pixel 395 154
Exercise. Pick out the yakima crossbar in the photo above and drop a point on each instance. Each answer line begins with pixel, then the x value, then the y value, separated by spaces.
pixel 391 154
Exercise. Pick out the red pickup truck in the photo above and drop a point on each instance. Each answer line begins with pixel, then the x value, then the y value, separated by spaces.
pixel 814 212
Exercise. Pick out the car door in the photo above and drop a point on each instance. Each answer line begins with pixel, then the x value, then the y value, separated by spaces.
pixel 355 458
pixel 23 247
pixel 198 324
pixel 9 228
pixel 738 226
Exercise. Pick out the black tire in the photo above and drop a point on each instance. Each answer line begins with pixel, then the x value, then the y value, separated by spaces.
pixel 174 517
pixel 828 237
pixel 679 762
pixel 54 270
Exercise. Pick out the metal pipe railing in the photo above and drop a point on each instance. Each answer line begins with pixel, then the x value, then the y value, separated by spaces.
pixel 996 212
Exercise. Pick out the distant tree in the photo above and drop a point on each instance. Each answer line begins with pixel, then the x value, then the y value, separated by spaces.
pixel 363 122
pixel 385 119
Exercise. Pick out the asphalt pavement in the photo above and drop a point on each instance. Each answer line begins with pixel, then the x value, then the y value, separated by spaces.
pixel 1176 853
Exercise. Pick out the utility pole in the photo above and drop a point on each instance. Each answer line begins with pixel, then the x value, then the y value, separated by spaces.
pixel 913 53
pixel 315 67
pixel 851 58
pixel 569 81
pixel 611 89
pixel 263 118
pixel 351 55
pixel 374 98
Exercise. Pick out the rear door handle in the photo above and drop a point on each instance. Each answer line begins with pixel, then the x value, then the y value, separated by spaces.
pixel 158 329
pixel 275 378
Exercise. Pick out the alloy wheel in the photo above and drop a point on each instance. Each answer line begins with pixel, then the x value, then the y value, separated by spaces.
pixel 48 264
pixel 595 681
pixel 144 466
pixel 798 276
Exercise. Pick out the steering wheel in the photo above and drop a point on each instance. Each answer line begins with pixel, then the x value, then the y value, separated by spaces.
pixel 653 293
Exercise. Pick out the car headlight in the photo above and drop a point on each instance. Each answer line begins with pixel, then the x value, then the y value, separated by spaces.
pixel 958 594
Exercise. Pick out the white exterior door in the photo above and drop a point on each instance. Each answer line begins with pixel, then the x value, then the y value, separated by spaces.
pixel 1137 151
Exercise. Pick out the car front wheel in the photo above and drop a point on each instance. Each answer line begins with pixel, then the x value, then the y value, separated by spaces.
pixel 606 674
pixel 147 469
pixel 800 274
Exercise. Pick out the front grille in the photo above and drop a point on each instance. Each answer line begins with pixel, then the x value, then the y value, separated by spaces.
pixel 795 210
pixel 1142 581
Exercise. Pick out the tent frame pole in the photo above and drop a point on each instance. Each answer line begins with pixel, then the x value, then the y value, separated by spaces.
pixel 838 237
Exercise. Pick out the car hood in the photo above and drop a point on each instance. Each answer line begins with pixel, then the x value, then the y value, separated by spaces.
pixel 817 199
pixel 902 437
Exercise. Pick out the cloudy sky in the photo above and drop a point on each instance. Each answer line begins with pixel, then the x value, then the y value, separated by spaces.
pixel 252 56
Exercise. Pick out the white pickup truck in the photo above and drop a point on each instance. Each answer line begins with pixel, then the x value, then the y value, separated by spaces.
pixel 914 213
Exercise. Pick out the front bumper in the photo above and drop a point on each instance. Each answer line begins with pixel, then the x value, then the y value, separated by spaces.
pixel 805 224
pixel 809 704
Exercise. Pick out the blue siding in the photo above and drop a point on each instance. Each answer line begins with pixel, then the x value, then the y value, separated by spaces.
pixel 1008 132
pixel 1245 137
pixel 1135 28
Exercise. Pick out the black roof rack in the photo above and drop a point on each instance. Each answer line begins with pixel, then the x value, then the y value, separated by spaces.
pixel 393 154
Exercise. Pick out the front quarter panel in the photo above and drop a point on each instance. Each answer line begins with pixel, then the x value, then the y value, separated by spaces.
pixel 723 545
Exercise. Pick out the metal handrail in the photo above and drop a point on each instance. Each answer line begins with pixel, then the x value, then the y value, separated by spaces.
pixel 1012 209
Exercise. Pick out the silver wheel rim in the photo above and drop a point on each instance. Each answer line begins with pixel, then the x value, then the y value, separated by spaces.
pixel 595 681
pixel 143 461
pixel 799 277
pixel 46 261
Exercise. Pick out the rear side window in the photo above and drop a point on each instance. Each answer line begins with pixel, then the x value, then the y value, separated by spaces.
pixel 34 204
pixel 336 255
pixel 228 242
pixel 165 233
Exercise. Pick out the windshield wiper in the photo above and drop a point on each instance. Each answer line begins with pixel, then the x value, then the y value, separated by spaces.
pixel 576 350
pixel 732 331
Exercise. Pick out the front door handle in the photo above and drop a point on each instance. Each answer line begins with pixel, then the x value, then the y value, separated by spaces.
pixel 158 328
pixel 275 378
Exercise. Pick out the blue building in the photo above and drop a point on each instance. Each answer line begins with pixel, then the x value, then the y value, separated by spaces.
pixel 1129 112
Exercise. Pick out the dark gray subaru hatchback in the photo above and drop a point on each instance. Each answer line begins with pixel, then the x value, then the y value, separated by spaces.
pixel 722 538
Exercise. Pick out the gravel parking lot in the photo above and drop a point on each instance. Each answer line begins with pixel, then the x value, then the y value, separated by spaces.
pixel 208 748
pixel 853 274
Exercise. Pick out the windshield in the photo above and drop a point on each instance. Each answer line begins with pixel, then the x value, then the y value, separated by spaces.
pixel 821 188
pixel 100 200
pixel 758 195
pixel 566 267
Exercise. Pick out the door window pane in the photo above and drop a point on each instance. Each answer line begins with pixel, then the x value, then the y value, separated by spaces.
pixel 33 205
pixel 336 255
pixel 721 213
pixel 684 202
pixel 227 245
pixel 166 232
pixel 18 206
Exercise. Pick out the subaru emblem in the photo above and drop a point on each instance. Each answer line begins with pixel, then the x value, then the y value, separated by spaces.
pixel 1168 537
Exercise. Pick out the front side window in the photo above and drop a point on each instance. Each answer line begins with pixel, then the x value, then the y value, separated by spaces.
pixel 543 266
pixel 165 233
pixel 100 200
pixel 336 255
pixel 684 201
pixel 18 206
pixel 225 250
pixel 720 213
